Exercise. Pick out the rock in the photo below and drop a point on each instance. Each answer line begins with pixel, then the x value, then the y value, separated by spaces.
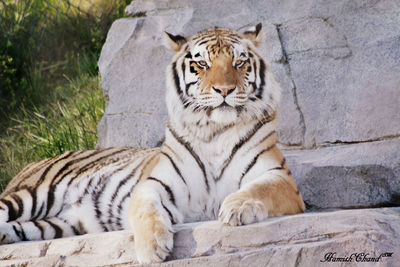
pixel 350 176
pixel 274 242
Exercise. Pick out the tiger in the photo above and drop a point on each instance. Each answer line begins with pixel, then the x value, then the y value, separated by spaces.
pixel 219 159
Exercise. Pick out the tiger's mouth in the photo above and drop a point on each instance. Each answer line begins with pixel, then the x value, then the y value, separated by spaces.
pixel 224 105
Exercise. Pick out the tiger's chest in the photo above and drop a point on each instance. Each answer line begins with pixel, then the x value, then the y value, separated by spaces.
pixel 217 176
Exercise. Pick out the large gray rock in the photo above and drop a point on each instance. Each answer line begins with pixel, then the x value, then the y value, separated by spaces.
pixel 275 242
pixel 352 176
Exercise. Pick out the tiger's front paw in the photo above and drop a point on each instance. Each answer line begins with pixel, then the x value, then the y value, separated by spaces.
pixel 153 236
pixel 153 244
pixel 240 209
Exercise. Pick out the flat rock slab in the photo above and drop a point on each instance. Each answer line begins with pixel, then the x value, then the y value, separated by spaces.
pixel 299 240
pixel 348 176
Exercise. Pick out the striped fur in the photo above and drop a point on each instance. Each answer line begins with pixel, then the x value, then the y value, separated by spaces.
pixel 219 159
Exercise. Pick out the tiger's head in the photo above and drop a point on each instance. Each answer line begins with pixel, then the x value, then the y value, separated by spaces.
pixel 218 77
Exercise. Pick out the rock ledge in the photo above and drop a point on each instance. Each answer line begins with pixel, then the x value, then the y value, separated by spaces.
pixel 300 240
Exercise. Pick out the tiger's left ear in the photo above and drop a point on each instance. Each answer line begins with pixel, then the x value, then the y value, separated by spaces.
pixel 175 41
pixel 254 34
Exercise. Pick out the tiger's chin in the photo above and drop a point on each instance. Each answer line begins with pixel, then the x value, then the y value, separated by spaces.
pixel 224 114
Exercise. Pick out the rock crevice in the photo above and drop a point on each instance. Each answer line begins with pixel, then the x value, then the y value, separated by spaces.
pixel 285 61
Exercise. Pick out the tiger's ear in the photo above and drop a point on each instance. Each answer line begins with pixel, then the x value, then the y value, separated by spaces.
pixel 175 41
pixel 254 34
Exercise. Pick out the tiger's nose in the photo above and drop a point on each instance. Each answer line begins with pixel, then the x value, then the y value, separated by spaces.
pixel 224 91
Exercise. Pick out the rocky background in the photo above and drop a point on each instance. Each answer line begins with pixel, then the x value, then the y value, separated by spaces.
pixel 338 63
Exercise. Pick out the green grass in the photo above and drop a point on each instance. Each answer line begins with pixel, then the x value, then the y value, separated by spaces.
pixel 50 96
pixel 68 123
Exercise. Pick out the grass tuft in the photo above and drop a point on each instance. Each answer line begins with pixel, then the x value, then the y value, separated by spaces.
pixel 69 123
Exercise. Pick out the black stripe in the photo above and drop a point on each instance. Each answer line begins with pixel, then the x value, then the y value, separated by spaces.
pixel 280 167
pixel 123 199
pixel 125 180
pixel 241 142
pixel 175 167
pixel 119 206
pixel 283 162
pixel 193 70
pixel 253 83
pixel 194 155
pixel 23 235
pixel 265 138
pixel 148 161
pixel 188 55
pixel 37 224
pixel 252 163
pixel 276 168
pixel 50 199
pixel 31 172
pixel 177 82
pixel 68 164
pixel 116 191
pixel 12 215
pixel 183 66
pixel 20 204
pixel 43 176
pixel 219 132
pixel 17 232
pixel 57 229
pixel 90 164
pixel 205 41
pixel 95 197
pixel 73 228
pixel 262 77
pixel 166 188
pixel 32 192
pixel 39 213
pixel 169 213
pixel 188 86
pixel 99 191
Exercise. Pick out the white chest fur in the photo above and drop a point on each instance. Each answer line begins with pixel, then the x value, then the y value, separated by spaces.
pixel 222 157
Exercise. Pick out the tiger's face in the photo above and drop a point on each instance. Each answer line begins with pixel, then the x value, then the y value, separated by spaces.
pixel 219 76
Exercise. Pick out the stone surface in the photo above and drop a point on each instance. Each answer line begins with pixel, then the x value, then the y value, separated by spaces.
pixel 274 242
pixel 355 175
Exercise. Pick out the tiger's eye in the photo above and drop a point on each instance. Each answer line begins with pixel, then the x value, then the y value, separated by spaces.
pixel 202 63
pixel 239 63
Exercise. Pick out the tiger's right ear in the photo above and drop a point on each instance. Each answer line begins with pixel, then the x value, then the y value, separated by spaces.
pixel 175 41
pixel 254 34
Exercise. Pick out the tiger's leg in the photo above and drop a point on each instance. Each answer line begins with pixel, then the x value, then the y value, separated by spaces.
pixel 273 194
pixel 50 228
pixel 151 215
